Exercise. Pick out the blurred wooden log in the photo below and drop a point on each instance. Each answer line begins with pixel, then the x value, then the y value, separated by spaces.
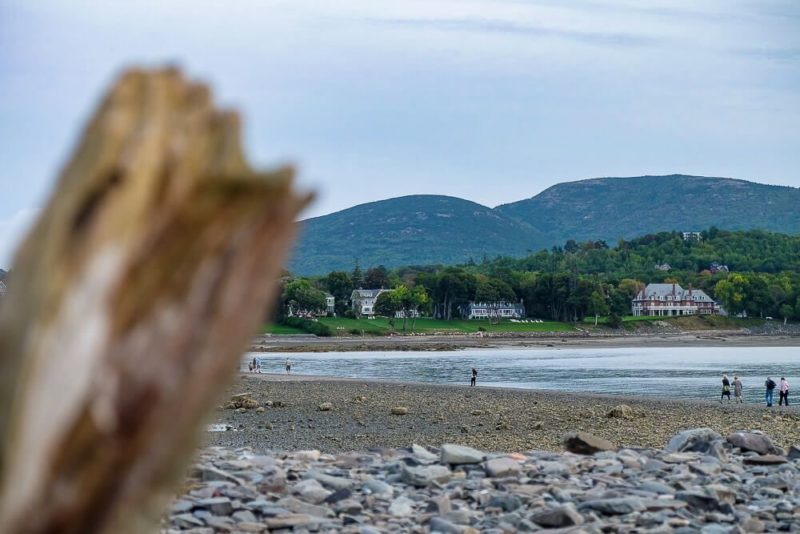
pixel 132 300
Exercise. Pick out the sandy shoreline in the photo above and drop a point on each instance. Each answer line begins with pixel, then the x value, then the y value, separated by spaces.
pixel 310 343
pixel 489 418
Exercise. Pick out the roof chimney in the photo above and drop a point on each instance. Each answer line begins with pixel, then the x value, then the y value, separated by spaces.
pixel 673 289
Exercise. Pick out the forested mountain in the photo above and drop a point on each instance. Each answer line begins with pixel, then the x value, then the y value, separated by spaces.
pixel 611 208
pixel 429 229
pixel 417 229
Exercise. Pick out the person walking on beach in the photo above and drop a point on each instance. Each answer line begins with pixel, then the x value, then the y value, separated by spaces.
pixel 475 377
pixel 770 385
pixel 253 365
pixel 288 366
pixel 726 388
pixel 737 389
pixel 783 392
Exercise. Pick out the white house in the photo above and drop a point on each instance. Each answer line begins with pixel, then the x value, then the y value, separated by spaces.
pixel 330 303
pixel 493 310
pixel 717 267
pixel 692 236
pixel 363 301
pixel 666 300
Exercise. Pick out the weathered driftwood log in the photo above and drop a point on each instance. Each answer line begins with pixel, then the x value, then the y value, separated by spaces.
pixel 133 298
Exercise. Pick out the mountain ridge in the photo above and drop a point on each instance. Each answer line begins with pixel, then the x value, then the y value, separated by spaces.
pixel 411 229
pixel 442 229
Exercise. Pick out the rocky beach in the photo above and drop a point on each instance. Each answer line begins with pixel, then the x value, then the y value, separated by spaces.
pixel 334 415
pixel 304 454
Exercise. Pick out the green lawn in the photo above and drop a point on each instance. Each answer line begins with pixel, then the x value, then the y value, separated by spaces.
pixel 380 326
pixel 342 326
pixel 626 319
pixel 279 329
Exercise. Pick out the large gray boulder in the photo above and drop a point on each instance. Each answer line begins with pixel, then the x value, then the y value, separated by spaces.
pixel 425 475
pixel 613 506
pixel 460 455
pixel 585 443
pixel 559 517
pixel 622 411
pixel 693 440
pixel 750 441
pixel 765 459
pixel 502 467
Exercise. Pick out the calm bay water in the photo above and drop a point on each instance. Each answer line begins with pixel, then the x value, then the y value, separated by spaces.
pixel 681 372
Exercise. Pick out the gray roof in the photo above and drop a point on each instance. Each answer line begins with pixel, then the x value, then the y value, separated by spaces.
pixel 664 290
pixel 366 293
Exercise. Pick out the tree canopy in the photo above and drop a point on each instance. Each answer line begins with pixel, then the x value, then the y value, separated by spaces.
pixel 752 272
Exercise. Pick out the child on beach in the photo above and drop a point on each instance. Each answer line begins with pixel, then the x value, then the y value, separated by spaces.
pixel 783 392
pixel 726 388
pixel 475 377
pixel 288 366
pixel 737 389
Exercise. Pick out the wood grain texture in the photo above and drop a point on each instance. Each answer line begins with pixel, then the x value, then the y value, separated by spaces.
pixel 131 301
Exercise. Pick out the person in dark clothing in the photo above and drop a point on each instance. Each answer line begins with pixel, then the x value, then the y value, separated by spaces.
pixel 726 388
pixel 474 377
pixel 770 385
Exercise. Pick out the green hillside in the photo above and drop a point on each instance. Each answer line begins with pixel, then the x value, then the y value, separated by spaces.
pixel 753 272
pixel 417 229
pixel 430 230
pixel 610 208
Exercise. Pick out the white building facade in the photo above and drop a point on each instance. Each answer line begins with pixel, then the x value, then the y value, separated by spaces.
pixel 493 310
pixel 363 301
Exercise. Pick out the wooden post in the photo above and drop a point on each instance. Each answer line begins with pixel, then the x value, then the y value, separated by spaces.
pixel 130 304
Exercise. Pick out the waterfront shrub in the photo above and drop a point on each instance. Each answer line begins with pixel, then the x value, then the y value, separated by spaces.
pixel 312 327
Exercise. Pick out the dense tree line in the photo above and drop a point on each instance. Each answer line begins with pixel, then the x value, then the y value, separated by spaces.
pixel 587 279
pixel 743 251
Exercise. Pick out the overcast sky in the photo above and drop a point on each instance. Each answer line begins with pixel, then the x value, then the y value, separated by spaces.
pixel 488 100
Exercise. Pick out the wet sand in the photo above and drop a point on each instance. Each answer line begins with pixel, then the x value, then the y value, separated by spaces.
pixel 496 419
